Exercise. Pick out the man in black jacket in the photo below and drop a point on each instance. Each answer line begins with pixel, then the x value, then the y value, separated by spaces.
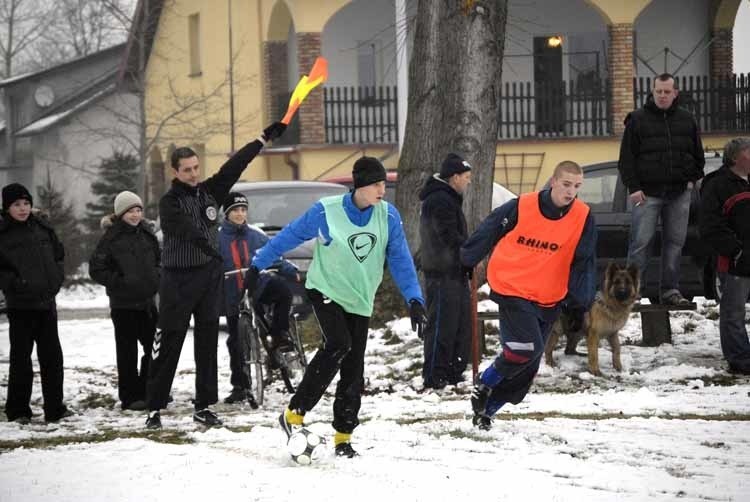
pixel 661 158
pixel 442 230
pixel 191 281
pixel 31 273
pixel 725 227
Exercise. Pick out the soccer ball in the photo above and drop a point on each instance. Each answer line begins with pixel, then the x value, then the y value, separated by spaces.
pixel 304 446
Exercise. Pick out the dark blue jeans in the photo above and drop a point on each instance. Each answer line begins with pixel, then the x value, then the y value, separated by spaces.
pixel 734 342
pixel 674 217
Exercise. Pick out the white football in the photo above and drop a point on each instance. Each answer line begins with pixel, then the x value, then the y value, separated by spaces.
pixel 304 446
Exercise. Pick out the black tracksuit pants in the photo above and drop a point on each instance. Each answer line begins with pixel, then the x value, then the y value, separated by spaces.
pixel 184 293
pixel 447 337
pixel 26 328
pixel 133 327
pixel 277 294
pixel 343 349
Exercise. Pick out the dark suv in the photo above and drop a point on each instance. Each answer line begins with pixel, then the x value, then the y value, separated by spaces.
pixel 605 193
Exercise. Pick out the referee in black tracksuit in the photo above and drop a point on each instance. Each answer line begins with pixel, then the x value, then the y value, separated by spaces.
pixel 191 281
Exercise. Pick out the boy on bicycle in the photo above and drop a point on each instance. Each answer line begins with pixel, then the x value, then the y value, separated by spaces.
pixel 238 243
pixel 356 234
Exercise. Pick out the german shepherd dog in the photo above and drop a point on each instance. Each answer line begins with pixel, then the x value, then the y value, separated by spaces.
pixel 607 316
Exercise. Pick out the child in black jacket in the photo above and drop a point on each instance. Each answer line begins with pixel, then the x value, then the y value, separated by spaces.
pixel 126 261
pixel 31 273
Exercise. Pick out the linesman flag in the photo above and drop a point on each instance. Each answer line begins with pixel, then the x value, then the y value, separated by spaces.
pixel 318 75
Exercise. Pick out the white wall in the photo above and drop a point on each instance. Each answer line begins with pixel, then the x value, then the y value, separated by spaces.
pixel 680 25
pixel 581 26
pixel 741 39
pixel 361 20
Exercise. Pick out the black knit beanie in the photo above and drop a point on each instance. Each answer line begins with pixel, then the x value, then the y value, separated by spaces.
pixel 367 170
pixel 453 164
pixel 13 192
pixel 234 199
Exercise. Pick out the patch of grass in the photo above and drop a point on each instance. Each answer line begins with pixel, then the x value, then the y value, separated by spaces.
pixel 393 340
pixel 689 326
pixel 98 400
pixel 718 444
pixel 474 435
pixel 712 314
pixel 309 332
pixel 168 436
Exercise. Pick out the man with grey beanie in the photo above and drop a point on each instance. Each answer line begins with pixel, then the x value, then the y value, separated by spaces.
pixel 442 231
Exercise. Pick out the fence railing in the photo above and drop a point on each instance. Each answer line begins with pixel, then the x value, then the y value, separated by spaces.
pixel 361 114
pixel 718 104
pixel 554 109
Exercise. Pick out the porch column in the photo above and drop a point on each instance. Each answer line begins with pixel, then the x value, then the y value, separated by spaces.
pixel 275 78
pixel 621 73
pixel 311 113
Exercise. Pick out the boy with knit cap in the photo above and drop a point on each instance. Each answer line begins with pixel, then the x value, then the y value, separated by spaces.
pixel 126 261
pixel 238 243
pixel 357 233
pixel 31 273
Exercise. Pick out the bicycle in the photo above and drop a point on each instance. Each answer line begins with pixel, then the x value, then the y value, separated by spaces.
pixel 254 338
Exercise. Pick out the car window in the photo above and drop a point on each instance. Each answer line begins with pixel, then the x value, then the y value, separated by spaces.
pixel 598 190
pixel 275 207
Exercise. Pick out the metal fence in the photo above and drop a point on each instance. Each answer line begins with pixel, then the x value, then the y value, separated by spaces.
pixel 361 114
pixel 718 104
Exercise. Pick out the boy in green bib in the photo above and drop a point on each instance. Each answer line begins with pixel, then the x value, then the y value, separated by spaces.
pixel 357 233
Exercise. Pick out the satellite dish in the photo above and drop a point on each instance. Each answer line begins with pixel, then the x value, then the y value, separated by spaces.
pixel 44 96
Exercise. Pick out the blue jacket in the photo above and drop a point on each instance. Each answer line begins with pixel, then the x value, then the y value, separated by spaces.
pixel 582 282
pixel 313 224
pixel 238 245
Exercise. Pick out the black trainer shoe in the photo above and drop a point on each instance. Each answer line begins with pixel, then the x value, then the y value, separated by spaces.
pixel 482 422
pixel 479 397
pixel 237 395
pixel 251 400
pixel 65 413
pixel 346 450
pixel 207 417
pixel 137 405
pixel 153 421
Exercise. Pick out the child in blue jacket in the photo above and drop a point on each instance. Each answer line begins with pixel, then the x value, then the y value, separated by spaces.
pixel 238 243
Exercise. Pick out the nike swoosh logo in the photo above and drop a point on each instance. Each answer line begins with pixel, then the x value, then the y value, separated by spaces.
pixel 360 247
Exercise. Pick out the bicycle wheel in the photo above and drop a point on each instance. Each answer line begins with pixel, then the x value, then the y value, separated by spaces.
pixel 252 362
pixel 292 364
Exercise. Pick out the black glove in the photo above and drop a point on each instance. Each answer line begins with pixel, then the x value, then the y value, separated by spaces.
pixel 251 279
pixel 575 318
pixel 274 131
pixel 204 246
pixel 418 317
pixel 468 272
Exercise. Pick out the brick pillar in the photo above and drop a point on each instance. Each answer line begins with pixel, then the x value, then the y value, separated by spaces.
pixel 722 66
pixel 621 73
pixel 311 113
pixel 720 55
pixel 275 78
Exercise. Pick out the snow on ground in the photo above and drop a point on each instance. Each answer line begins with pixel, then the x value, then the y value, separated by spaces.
pixel 673 425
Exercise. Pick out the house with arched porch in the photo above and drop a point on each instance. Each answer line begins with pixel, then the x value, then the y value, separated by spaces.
pixel 572 70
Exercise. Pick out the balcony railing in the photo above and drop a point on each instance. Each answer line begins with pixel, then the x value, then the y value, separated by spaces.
pixel 554 109
pixel 361 114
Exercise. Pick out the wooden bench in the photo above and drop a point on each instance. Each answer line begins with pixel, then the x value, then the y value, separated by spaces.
pixel 654 323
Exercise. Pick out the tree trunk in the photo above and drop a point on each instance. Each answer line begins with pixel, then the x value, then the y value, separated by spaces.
pixel 454 85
